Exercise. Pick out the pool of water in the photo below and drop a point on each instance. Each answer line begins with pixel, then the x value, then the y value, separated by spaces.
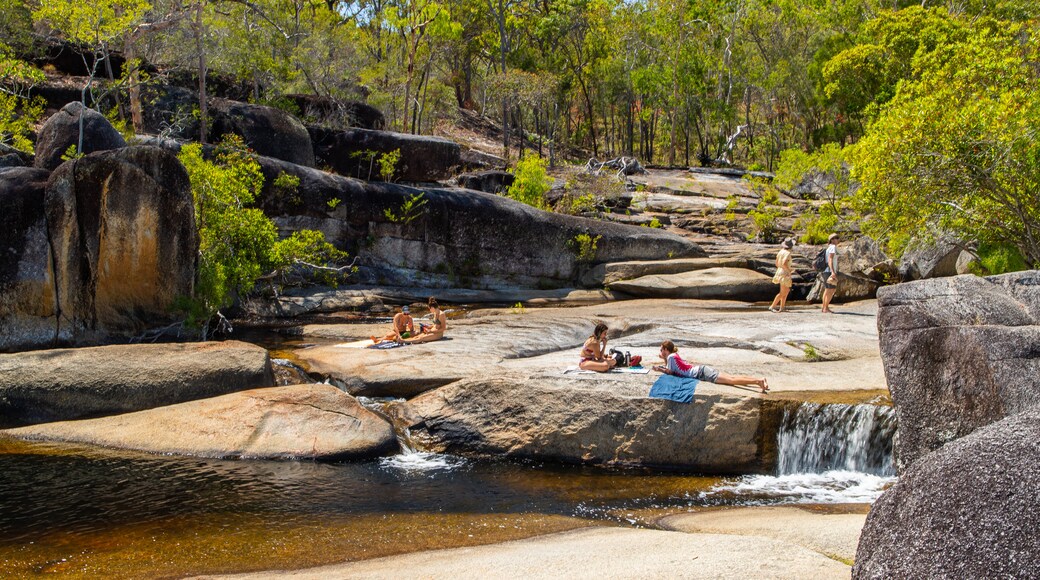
pixel 81 512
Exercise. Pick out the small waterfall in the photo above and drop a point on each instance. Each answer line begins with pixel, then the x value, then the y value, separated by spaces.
pixel 818 438
pixel 410 459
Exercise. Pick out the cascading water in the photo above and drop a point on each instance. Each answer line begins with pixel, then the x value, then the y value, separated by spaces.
pixel 818 438
pixel 826 454
pixel 410 459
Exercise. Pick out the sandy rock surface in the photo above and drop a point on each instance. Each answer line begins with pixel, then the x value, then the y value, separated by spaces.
pixel 734 337
pixel 598 553
pixel 832 534
pixel 64 384
pixel 294 422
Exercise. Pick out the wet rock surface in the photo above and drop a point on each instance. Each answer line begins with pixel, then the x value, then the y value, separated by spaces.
pixel 959 353
pixel 292 422
pixel 64 384
pixel 968 510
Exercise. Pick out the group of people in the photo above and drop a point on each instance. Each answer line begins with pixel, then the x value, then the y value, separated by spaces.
pixel 785 274
pixel 594 352
pixel 594 358
pixel 402 330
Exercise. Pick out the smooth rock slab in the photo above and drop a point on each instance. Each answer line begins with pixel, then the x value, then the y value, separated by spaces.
pixel 293 422
pixel 63 384
pixel 598 553
pixel 590 419
pixel 968 510
pixel 710 284
pixel 959 353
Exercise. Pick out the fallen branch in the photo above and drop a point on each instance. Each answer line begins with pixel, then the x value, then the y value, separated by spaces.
pixel 625 166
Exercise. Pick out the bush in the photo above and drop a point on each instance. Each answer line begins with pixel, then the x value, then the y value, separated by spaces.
pixel 532 182
pixel 995 258
pixel 584 247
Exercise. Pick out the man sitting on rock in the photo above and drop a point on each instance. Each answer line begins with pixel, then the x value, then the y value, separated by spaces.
pixel 404 327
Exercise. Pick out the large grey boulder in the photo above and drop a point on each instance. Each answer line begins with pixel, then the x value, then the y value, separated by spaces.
pixel 490 181
pixel 939 258
pixel 336 113
pixel 266 130
pixel 122 230
pixel 453 237
pixel 353 153
pixel 28 302
pixel 862 269
pixel 711 283
pixel 61 131
pixel 602 420
pixel 293 422
pixel 959 353
pixel 64 384
pixel 11 157
pixel 968 510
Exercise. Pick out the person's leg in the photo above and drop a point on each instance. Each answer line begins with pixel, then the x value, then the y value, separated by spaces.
pixel 428 337
pixel 743 381
pixel 784 291
pixel 594 365
pixel 828 294
pixel 377 340
pixel 776 301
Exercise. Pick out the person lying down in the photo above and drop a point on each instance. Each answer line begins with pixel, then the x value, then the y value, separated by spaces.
pixel 676 366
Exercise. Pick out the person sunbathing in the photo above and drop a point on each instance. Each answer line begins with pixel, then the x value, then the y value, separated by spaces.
pixel 403 328
pixel 592 352
pixel 676 366
pixel 435 331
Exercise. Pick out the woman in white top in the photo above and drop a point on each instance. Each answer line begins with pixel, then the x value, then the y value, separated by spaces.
pixel 783 276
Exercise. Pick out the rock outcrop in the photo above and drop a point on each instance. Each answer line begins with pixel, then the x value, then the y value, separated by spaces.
pixel 959 353
pixel 454 237
pixel 266 130
pixel 294 422
pixel 968 510
pixel 708 284
pixel 862 269
pixel 11 157
pixel 332 112
pixel 490 181
pixel 601 420
pixel 28 303
pixel 355 152
pixel 941 258
pixel 61 131
pixel 123 234
pixel 65 384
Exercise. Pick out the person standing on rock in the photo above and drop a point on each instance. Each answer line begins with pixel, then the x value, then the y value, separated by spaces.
pixel 783 276
pixel 676 366
pixel 436 330
pixel 403 327
pixel 830 275
pixel 592 352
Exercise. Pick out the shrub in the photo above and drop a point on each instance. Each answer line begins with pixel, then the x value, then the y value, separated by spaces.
pixel 532 182
pixel 584 247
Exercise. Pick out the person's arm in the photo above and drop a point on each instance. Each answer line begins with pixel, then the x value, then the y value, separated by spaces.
pixel 832 260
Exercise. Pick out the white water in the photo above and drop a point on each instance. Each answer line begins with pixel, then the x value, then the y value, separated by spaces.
pixel 410 460
pixel 826 454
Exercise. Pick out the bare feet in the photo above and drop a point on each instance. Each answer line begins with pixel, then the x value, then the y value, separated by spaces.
pixel 764 385
pixel 375 340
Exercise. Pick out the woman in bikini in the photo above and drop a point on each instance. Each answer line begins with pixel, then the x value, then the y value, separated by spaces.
pixel 436 330
pixel 674 365
pixel 592 357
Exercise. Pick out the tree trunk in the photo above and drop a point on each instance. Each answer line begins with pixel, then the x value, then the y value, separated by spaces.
pixel 200 32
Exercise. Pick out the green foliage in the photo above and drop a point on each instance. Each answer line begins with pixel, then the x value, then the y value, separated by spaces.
pixel 532 182
pixel 388 164
pixel 71 153
pixel 956 150
pixel 818 224
pixel 286 186
pixel 410 209
pixel 732 203
pixel 237 243
pixel 18 118
pixel 811 354
pixel 654 223
pixel 584 246
pixel 310 248
pixel 998 258
pixel 333 202
pixel 581 204
pixel 122 125
pixel 519 308
pixel 94 23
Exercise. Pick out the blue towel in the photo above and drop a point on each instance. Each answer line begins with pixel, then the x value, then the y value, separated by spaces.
pixel 673 388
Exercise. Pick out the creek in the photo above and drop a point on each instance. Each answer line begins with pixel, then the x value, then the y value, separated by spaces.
pixel 80 512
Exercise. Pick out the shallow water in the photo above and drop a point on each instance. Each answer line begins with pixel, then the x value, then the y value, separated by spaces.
pixel 87 512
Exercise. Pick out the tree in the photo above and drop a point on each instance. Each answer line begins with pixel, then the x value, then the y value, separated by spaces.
pixel 958 150
pixel 96 25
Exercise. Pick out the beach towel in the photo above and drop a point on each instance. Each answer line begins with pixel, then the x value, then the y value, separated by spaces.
pixel 574 370
pixel 367 343
pixel 679 389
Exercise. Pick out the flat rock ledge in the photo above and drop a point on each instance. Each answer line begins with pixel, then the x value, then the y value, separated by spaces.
pixel 598 552
pixel 598 420
pixel 74 383
pixel 707 284
pixel 294 422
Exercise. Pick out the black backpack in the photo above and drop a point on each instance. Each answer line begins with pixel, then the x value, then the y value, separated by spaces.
pixel 819 263
pixel 623 359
